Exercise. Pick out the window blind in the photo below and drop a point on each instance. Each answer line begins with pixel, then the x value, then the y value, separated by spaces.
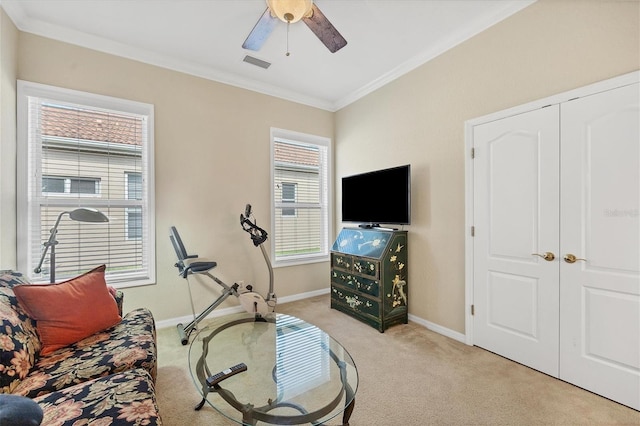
pixel 300 198
pixel 303 357
pixel 81 155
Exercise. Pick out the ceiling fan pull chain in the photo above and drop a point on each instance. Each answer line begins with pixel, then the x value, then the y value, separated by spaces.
pixel 288 23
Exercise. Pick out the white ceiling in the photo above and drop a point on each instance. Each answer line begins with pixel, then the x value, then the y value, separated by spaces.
pixel 386 38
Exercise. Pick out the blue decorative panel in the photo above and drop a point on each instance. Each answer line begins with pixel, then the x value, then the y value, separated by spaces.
pixel 362 242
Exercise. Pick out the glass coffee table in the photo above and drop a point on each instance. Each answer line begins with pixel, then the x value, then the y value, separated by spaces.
pixel 295 372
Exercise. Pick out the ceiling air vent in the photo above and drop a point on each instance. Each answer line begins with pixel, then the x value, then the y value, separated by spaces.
pixel 257 62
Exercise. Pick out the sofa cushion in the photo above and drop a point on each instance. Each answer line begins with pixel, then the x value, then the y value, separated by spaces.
pixel 129 344
pixel 69 311
pixel 19 342
pixel 119 399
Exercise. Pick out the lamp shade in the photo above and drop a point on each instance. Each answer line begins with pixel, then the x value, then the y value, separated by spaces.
pixel 85 214
pixel 290 10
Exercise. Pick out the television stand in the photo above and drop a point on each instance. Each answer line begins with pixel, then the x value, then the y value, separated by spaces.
pixel 369 225
pixel 375 226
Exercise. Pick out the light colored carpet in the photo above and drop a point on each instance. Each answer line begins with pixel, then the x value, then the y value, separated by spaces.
pixel 410 376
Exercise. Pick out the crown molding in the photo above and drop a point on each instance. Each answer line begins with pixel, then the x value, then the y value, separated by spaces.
pixel 427 55
pixel 55 32
pixel 43 29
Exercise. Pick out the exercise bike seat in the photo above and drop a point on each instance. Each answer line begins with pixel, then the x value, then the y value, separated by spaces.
pixel 188 263
pixel 197 267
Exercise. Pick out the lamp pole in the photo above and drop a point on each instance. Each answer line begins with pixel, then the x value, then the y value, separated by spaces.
pixel 50 244
pixel 81 214
pixel 52 262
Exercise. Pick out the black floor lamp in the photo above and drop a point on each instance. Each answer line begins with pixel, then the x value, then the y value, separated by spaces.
pixel 81 214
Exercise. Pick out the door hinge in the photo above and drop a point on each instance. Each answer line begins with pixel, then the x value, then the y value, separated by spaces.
pixel 473 231
pixel 473 153
pixel 473 310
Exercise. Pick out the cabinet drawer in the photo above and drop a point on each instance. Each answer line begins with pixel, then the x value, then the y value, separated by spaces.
pixel 341 261
pixel 356 302
pixel 366 267
pixel 355 282
pixel 367 286
pixel 343 278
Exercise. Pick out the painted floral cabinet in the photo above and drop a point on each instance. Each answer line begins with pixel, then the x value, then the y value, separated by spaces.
pixel 369 276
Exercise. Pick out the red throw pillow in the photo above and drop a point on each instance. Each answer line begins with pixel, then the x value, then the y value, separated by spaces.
pixel 69 311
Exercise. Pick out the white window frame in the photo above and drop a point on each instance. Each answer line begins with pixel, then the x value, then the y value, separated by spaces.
pixel 26 89
pixel 290 136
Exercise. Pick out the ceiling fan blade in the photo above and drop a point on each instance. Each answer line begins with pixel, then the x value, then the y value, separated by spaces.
pixel 324 30
pixel 260 31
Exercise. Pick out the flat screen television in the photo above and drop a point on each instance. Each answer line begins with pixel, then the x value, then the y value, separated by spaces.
pixel 378 197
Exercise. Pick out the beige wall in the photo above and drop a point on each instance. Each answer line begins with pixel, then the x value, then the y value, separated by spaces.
pixel 8 72
pixel 212 142
pixel 549 47
pixel 211 158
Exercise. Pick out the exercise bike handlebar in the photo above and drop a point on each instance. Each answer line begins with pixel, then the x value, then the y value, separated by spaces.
pixel 258 235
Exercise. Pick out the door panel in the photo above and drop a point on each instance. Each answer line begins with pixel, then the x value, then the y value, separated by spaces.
pixel 516 198
pixel 513 186
pixel 600 222
pixel 519 319
pixel 600 344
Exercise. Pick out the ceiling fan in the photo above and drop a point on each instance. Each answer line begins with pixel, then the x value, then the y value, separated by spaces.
pixel 291 11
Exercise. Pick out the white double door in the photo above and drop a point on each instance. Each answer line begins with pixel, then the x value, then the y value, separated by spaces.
pixel 550 186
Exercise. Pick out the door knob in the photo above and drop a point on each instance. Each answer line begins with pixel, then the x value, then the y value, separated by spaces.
pixel 548 256
pixel 570 258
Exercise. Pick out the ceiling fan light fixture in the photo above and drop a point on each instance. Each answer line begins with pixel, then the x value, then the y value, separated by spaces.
pixel 290 11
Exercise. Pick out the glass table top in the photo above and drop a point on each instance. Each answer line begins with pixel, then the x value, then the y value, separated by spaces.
pixel 296 373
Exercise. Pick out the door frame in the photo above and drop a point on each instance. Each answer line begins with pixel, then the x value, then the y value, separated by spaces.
pixel 602 86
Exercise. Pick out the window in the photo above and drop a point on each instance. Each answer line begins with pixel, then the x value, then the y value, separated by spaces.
pixel 133 227
pixel 300 197
pixel 70 185
pixel 77 149
pixel 288 196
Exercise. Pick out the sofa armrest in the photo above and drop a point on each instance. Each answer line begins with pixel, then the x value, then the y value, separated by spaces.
pixel 118 295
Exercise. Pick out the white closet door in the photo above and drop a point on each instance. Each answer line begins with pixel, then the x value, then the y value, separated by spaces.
pixel 516 205
pixel 600 223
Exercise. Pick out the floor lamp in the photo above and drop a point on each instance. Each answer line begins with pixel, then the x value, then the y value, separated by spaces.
pixel 82 214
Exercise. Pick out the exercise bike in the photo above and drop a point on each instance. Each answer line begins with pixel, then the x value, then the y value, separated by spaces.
pixel 251 301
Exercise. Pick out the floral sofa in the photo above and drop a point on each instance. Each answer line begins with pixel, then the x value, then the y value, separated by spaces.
pixel 104 379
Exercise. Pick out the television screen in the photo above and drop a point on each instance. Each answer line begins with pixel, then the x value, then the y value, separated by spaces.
pixel 378 197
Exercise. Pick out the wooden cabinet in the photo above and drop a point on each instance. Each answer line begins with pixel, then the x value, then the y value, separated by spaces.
pixel 369 276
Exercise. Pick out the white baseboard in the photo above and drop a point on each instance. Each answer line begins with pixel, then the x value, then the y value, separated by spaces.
pixel 306 295
pixel 172 322
pixel 438 329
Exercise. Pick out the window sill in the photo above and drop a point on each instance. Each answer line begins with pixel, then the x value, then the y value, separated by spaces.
pixel 299 261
